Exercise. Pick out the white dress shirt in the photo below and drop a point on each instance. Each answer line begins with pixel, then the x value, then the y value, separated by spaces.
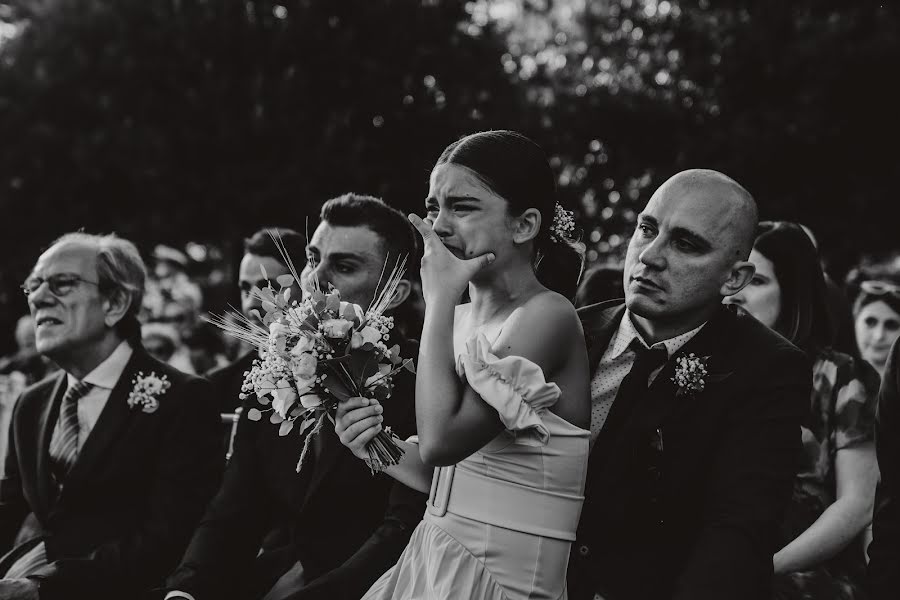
pixel 617 361
pixel 103 379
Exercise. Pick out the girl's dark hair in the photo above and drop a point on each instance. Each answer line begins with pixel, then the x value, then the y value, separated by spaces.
pixel 804 317
pixel 515 168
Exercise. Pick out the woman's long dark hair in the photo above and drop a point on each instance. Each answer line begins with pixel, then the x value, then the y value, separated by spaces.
pixel 515 168
pixel 804 318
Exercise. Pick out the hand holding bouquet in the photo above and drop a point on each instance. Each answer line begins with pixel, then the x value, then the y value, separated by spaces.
pixel 316 352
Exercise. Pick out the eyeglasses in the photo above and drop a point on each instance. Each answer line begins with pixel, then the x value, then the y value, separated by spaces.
pixel 880 288
pixel 59 284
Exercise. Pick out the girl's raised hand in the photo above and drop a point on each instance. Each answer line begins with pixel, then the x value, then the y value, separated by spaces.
pixel 442 273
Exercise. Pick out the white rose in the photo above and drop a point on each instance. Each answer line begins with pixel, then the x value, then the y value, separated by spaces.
pixel 310 401
pixel 336 328
pixel 284 398
pixel 365 335
pixel 304 344
pixel 304 366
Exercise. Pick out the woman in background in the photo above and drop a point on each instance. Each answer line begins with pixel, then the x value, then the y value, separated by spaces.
pixel 876 313
pixel 835 485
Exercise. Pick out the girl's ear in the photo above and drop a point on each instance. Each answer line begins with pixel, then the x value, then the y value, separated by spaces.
pixel 526 226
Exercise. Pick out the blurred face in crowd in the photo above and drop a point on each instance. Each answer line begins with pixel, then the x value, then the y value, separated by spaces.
pixel 74 320
pixel 349 258
pixel 250 274
pixel 687 252
pixel 877 326
pixel 762 296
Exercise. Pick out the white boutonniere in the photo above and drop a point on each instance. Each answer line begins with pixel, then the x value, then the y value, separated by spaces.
pixel 692 374
pixel 146 391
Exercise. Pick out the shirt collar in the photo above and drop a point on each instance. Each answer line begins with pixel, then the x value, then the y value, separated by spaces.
pixel 106 374
pixel 626 333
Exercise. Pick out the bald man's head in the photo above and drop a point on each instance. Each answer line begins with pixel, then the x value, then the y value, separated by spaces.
pixel 740 212
pixel 690 248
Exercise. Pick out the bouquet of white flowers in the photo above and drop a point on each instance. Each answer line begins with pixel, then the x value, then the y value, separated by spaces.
pixel 316 352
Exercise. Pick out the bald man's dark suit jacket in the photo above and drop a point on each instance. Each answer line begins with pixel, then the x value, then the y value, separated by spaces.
pixel 137 490
pixel 685 495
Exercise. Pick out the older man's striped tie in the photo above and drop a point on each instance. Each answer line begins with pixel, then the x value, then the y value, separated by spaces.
pixel 64 443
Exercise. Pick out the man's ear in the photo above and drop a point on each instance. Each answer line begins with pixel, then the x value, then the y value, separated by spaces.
pixel 116 305
pixel 526 226
pixel 741 274
pixel 401 293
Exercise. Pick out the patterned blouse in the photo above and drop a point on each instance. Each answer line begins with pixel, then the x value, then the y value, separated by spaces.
pixel 841 415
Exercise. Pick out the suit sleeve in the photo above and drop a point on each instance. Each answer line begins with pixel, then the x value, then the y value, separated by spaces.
pixel 750 486
pixel 229 535
pixel 884 551
pixel 379 553
pixel 187 473
pixel 13 506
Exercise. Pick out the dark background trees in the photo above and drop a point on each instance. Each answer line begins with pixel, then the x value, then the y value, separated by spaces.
pixel 178 120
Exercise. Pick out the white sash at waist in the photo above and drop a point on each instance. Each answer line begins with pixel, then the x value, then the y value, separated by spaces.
pixel 505 504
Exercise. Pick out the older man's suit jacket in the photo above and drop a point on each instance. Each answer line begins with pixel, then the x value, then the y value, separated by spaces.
pixel 345 526
pixel 884 551
pixel 684 496
pixel 138 488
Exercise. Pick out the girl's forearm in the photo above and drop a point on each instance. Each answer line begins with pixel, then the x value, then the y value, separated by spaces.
pixel 411 471
pixel 438 389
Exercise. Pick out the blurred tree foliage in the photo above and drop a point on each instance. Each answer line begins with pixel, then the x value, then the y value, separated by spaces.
pixel 201 120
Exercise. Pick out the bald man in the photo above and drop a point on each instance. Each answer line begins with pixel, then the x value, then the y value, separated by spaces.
pixel 696 410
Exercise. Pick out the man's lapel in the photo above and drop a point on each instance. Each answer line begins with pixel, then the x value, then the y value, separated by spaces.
pixel 600 322
pixel 46 423
pixel 662 397
pixel 110 424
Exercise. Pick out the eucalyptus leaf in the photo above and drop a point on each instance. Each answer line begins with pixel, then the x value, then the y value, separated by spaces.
pixel 254 414
pixel 286 280
pixel 269 306
pixel 285 428
pixel 262 270
pixel 275 418
pixel 264 400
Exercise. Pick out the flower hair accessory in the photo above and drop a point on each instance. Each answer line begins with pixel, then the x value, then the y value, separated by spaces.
pixel 563 227
pixel 146 390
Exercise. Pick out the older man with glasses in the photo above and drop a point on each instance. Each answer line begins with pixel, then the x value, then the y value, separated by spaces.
pixel 112 460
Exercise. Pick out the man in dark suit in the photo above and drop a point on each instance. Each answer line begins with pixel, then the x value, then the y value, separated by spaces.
pixel 696 411
pixel 884 551
pixel 261 265
pixel 112 460
pixel 344 527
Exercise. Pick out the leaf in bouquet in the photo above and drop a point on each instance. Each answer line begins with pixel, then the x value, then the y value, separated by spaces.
pixel 264 400
pixel 333 303
pixel 269 306
pixel 255 314
pixel 381 392
pixel 340 389
pixel 262 270
pixel 266 294
pixel 363 364
pixel 409 365
pixel 349 313
pixel 297 411
pixel 286 294
pixel 268 319
pixel 306 424
pixel 285 428
pixel 310 323
pixel 254 414
pixel 286 280
pixel 317 296
pixel 275 418
pixel 394 354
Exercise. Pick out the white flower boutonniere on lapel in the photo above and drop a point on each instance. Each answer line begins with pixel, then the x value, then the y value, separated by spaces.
pixel 691 374
pixel 146 391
